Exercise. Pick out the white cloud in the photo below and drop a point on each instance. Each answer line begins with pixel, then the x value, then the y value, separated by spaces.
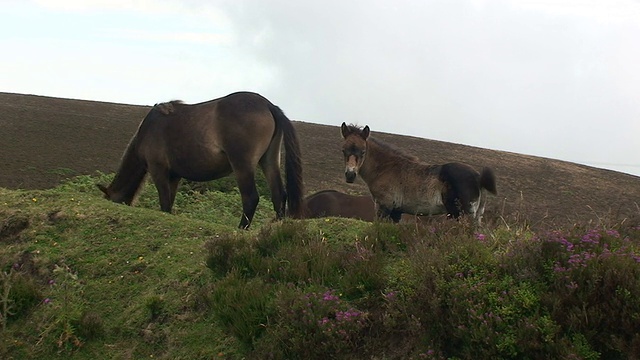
pixel 608 11
pixel 163 37
pixel 552 78
pixel 199 11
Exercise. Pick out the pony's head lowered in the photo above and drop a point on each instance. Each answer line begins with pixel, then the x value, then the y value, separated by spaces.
pixel 354 149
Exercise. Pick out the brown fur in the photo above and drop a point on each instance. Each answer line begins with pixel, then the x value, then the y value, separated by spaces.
pixel 400 183
pixel 327 203
pixel 210 140
pixel 332 203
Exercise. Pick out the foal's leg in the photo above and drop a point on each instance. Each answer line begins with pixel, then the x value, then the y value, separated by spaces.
pixel 458 202
pixel 452 204
pixel 384 213
pixel 395 215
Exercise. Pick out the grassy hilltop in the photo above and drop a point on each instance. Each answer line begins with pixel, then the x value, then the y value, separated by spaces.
pixel 85 278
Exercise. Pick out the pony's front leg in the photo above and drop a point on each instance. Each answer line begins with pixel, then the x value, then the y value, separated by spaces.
pixel 167 188
pixel 384 213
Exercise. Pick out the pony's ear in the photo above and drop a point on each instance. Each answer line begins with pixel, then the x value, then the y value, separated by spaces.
pixel 365 132
pixel 103 189
pixel 344 129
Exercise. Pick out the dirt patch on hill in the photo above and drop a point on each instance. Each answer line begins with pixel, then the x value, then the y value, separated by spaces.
pixel 45 140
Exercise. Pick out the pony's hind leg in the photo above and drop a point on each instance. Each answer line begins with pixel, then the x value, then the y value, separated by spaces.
pixel 453 205
pixel 249 193
pixel 271 172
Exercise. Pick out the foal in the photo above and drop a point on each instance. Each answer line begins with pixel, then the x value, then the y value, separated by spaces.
pixel 400 183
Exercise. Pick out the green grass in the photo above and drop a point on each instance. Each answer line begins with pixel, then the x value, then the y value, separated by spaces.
pixel 86 278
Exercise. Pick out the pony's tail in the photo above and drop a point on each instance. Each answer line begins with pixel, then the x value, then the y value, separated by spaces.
pixel 293 163
pixel 488 180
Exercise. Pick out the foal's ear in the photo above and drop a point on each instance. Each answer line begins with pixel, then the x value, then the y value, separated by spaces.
pixel 365 132
pixel 344 129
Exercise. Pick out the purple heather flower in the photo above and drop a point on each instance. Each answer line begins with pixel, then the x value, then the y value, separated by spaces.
pixel 613 233
pixel 329 296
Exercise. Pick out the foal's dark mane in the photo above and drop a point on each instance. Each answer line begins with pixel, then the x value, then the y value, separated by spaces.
pixel 390 153
pixel 387 147
pixel 391 149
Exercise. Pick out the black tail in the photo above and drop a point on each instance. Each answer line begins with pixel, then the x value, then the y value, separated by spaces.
pixel 293 162
pixel 488 180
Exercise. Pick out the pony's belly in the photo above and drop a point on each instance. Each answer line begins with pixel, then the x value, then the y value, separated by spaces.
pixel 429 209
pixel 206 168
pixel 433 206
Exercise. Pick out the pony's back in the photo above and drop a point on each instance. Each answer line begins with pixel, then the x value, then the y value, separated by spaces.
pixel 328 203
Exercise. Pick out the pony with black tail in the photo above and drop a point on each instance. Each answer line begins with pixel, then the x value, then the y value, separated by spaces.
pixel 210 140
pixel 400 183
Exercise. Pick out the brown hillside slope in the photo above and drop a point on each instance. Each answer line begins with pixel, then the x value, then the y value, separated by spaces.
pixel 44 140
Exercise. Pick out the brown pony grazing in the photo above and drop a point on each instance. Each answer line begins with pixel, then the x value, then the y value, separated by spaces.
pixel 210 140
pixel 400 183
pixel 328 203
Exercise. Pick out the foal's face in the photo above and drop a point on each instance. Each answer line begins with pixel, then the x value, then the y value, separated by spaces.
pixel 354 150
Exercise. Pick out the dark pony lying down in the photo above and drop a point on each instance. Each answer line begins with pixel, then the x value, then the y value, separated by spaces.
pixel 332 203
pixel 327 203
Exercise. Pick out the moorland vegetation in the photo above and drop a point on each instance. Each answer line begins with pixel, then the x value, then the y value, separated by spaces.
pixel 86 278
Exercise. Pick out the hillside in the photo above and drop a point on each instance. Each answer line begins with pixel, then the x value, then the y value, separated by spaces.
pixel 86 278
pixel 45 140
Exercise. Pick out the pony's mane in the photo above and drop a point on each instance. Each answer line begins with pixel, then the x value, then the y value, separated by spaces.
pixel 392 149
pixel 168 107
pixel 388 148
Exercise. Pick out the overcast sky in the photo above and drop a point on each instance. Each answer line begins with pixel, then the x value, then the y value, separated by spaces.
pixel 555 78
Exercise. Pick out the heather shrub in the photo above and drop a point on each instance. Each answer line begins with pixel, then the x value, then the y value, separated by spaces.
pixel 310 324
pixel 227 252
pixel 445 289
pixel 594 288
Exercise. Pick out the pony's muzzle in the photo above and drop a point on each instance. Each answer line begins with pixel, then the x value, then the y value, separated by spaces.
pixel 350 176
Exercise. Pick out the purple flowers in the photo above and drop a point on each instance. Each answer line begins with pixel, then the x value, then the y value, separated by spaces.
pixel 390 296
pixel 613 233
pixel 330 296
pixel 325 314
pixel 593 246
